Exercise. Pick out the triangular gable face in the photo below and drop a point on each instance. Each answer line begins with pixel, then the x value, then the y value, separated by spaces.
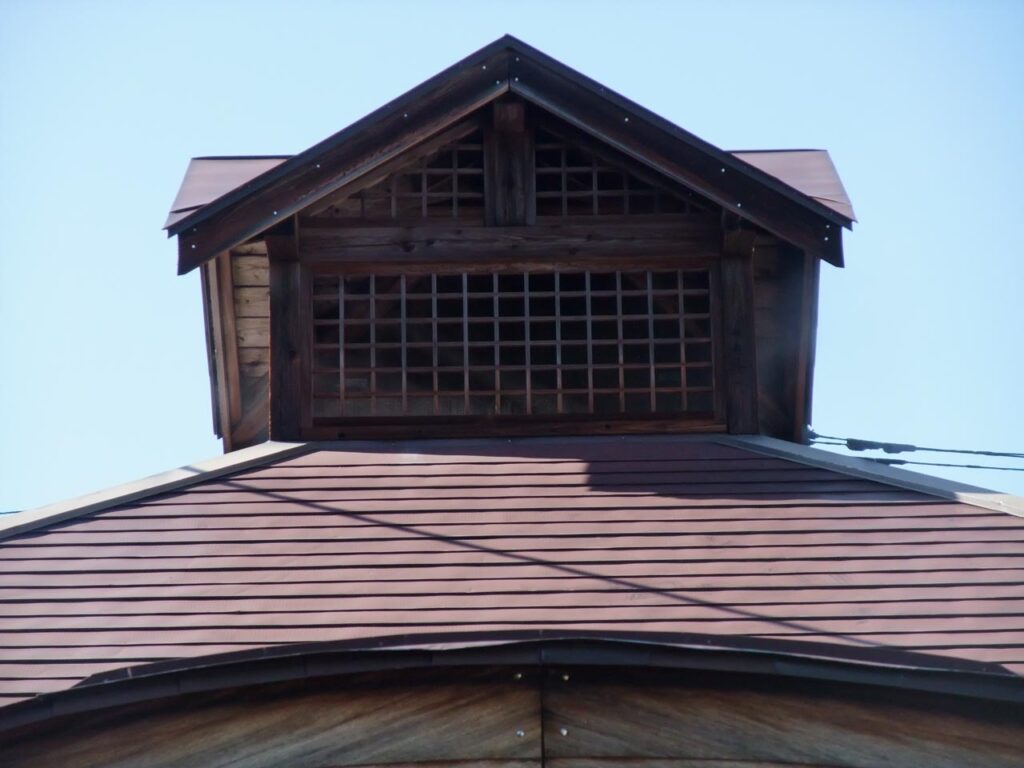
pixel 567 177
pixel 505 67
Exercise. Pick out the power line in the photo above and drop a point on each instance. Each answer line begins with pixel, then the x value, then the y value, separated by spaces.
pixel 857 444
pixel 901 462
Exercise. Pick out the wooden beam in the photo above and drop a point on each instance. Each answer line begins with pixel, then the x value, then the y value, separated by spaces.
pixel 508 177
pixel 344 158
pixel 681 157
pixel 226 286
pixel 220 363
pixel 211 350
pixel 289 336
pixel 738 336
pixel 682 236
pixel 808 342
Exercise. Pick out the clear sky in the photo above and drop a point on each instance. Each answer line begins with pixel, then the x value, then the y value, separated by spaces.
pixel 103 373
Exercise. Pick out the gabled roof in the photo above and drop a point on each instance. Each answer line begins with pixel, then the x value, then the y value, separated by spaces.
pixel 808 171
pixel 700 542
pixel 509 66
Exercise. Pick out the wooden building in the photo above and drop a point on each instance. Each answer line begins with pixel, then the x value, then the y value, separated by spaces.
pixel 513 378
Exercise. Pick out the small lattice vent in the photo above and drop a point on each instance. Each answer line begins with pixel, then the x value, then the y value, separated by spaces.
pixel 571 181
pixel 448 184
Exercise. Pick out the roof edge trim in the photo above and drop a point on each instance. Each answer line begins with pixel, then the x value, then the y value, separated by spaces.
pixel 870 470
pixel 539 648
pixel 172 480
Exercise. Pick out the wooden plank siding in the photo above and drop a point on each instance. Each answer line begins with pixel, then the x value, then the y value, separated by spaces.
pixel 381 542
pixel 250 270
pixel 525 717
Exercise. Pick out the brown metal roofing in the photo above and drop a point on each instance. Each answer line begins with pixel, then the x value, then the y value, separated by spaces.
pixel 208 178
pixel 808 171
pixel 632 537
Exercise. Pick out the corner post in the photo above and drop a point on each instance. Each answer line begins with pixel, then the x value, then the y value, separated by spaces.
pixel 738 331
pixel 289 335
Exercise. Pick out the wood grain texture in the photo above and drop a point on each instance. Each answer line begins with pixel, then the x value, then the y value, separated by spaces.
pixel 525 717
pixel 738 334
pixel 470 716
pixel 642 716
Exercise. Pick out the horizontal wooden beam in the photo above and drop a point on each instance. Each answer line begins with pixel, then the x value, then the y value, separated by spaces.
pixel 562 244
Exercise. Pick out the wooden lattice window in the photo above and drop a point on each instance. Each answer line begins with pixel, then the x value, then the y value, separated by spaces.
pixel 448 184
pixel 571 181
pixel 543 344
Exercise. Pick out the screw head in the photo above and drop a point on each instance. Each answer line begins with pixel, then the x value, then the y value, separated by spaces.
pixel 565 677
pixel 564 731
pixel 517 676
pixel 520 733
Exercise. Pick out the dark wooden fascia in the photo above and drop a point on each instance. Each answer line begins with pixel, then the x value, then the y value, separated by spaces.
pixel 320 171
pixel 508 65
pixel 727 181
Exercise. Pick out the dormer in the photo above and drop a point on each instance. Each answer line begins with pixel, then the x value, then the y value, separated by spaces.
pixel 510 248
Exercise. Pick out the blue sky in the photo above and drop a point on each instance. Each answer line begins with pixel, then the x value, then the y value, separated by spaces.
pixel 102 104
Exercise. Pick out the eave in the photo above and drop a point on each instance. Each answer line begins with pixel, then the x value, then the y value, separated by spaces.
pixel 508 66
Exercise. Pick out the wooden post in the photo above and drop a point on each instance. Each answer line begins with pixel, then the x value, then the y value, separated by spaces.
pixel 509 167
pixel 289 330
pixel 739 339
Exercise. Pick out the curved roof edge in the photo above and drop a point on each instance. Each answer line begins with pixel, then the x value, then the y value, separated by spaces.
pixel 893 669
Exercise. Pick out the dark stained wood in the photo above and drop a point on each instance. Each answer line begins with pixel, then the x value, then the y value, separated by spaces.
pixel 456 715
pixel 470 85
pixel 209 318
pixel 360 149
pixel 216 340
pixel 779 279
pixel 674 153
pixel 738 332
pixel 289 355
pixel 508 156
pixel 808 330
pixel 525 717
pixel 425 148
pixel 591 722
pixel 548 244
pixel 229 337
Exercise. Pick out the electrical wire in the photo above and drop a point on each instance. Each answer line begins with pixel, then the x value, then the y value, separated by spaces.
pixel 856 444
pixel 901 462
